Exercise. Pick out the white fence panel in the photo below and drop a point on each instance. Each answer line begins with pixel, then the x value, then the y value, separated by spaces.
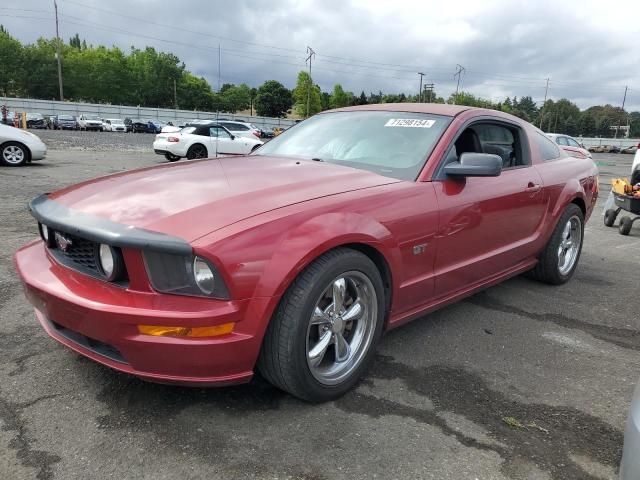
pixel 54 107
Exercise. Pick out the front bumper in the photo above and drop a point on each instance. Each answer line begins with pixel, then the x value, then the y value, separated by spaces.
pixel 38 151
pixel 630 465
pixel 99 320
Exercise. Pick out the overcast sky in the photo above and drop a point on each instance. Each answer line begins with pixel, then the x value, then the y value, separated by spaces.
pixel 590 49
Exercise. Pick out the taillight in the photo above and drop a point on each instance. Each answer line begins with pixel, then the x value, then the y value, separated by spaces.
pixel 173 139
pixel 256 133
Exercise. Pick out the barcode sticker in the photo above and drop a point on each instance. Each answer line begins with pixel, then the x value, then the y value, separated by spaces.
pixel 410 122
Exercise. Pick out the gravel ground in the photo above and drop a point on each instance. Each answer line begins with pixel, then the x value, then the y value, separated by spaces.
pixel 522 381
pixel 95 141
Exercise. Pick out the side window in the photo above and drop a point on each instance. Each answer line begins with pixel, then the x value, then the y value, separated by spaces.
pixel 548 149
pixel 218 132
pixel 497 139
pixel 573 143
pixel 562 141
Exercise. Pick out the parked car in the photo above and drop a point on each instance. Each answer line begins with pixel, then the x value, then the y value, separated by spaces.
pixel 155 126
pixel 18 147
pixel 630 464
pixel 241 129
pixel 603 149
pixel 90 122
pixel 293 260
pixel 201 140
pixel 631 149
pixel 614 149
pixel 139 126
pixel 114 125
pixel 570 145
pixel 36 120
pixel 65 122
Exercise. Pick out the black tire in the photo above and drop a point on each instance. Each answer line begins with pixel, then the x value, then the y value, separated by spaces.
pixel 197 151
pixel 171 157
pixel 625 226
pixel 283 357
pixel 548 269
pixel 14 154
pixel 610 217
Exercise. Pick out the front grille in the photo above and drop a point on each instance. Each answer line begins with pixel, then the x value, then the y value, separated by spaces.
pixel 81 255
pixel 82 252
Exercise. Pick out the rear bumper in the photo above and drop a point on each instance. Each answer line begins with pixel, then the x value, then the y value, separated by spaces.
pixel 99 320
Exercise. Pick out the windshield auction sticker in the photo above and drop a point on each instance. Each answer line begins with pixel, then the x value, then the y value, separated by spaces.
pixel 410 122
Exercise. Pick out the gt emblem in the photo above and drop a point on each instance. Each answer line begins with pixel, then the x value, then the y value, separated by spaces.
pixel 63 242
pixel 418 249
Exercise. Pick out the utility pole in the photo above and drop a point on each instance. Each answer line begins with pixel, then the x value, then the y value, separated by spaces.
pixel 58 54
pixel 312 55
pixel 175 95
pixel 546 91
pixel 428 87
pixel 459 71
pixel 420 89
pixel 624 99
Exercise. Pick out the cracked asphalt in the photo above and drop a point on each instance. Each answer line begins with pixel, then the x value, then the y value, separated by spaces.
pixel 521 381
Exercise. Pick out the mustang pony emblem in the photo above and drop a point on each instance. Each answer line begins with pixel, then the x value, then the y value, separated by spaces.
pixel 63 242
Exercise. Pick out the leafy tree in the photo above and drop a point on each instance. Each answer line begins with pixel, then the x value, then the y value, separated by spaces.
pixel 273 99
pixel 362 99
pixel 304 92
pixel 340 98
pixel 235 97
pixel 75 42
pixel 587 125
pixel 325 99
pixel 11 65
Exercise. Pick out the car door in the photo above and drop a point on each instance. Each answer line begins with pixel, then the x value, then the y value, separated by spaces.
pixel 488 225
pixel 222 143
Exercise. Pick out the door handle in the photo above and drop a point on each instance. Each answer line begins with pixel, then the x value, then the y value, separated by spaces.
pixel 532 187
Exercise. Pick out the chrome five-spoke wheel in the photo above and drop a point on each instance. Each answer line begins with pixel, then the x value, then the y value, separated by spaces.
pixel 323 334
pixel 570 244
pixel 341 327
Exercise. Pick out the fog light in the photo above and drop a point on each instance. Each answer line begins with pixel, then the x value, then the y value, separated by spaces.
pixel 110 262
pixel 161 331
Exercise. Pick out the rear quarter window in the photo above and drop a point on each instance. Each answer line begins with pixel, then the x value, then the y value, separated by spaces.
pixel 547 148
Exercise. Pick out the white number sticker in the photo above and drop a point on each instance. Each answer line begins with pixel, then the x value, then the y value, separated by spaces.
pixel 410 122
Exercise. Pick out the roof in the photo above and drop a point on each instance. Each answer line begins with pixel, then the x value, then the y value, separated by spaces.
pixel 433 108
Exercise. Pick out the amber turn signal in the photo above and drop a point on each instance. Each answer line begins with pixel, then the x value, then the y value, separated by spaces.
pixel 161 331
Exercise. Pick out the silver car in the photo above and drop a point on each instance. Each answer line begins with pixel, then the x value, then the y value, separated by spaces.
pixel 630 465
pixel 18 147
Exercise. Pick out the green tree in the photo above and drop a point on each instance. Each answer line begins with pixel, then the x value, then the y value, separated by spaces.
pixel 340 98
pixel 236 97
pixel 273 99
pixel 75 42
pixel 11 65
pixel 362 99
pixel 587 125
pixel 306 93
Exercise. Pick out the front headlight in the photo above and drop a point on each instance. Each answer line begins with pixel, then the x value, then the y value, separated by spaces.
pixel 184 275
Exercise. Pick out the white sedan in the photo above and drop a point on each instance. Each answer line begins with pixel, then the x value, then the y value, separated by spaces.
pixel 202 140
pixel 18 147
pixel 114 125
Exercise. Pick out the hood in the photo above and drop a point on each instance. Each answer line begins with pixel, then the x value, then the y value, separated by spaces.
pixel 193 198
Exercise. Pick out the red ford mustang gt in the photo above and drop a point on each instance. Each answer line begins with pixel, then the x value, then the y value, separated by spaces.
pixel 293 260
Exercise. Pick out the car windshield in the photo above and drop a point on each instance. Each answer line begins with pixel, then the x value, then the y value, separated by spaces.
pixel 115 120
pixel 65 117
pixel 90 117
pixel 188 130
pixel 34 116
pixel 393 144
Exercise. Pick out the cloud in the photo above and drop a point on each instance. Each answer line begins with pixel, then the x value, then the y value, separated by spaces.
pixel 587 48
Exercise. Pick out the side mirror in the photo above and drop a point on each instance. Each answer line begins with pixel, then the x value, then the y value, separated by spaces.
pixel 233 137
pixel 475 165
